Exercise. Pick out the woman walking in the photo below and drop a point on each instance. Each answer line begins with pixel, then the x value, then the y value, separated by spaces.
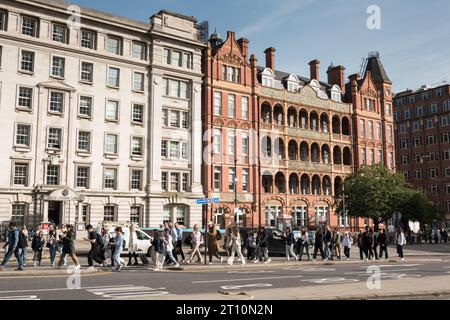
pixel 236 247
pixel 250 245
pixel 318 244
pixel 23 245
pixel 37 245
pixel 347 242
pixel 52 244
pixel 68 248
pixel 304 244
pixel 196 242
pixel 169 247
pixel 213 245
pixel 132 247
pixel 289 244
pixel 119 263
pixel 382 241
pixel 401 241
pixel 159 249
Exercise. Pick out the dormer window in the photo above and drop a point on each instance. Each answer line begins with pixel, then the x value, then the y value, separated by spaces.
pixel 232 74
pixel 292 83
pixel 267 78
pixel 336 94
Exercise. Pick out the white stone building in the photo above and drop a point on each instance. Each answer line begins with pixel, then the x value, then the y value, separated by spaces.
pixel 100 116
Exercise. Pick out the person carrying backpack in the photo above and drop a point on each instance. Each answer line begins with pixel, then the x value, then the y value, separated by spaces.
pixel 37 245
pixel 13 248
pixel 23 245
pixel 250 245
pixel 303 243
pixel 96 252
pixel 289 244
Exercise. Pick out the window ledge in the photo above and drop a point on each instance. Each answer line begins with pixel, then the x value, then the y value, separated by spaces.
pixel 111 120
pixel 81 116
pixel 138 91
pixel 53 151
pixel 23 109
pixel 135 123
pixel 55 113
pixel 111 156
pixel 31 73
pixel 137 158
pixel 90 83
pixel 113 87
pixel 20 148
pixel 82 153
pixel 57 77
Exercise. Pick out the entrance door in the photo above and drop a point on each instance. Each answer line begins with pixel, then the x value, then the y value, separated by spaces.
pixel 54 212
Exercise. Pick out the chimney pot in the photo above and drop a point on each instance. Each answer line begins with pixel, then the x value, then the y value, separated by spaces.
pixel 336 77
pixel 270 58
pixel 243 44
pixel 314 69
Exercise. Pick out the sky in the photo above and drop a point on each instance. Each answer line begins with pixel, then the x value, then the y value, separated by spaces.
pixel 413 39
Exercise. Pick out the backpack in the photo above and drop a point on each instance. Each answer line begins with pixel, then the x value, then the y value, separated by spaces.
pixel 188 239
pixel 99 240
pixel 218 235
pixel 22 241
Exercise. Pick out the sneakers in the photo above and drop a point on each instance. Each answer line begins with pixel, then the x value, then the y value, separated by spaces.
pixel 177 265
pixel 230 263
pixel 90 268
pixel 77 267
pixel 268 261
pixel 256 261
pixel 243 263
pixel 221 259
pixel 210 263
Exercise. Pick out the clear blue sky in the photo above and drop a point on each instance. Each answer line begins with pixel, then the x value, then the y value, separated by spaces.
pixel 414 39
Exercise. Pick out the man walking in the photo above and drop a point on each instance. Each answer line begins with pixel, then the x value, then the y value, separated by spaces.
pixel 327 237
pixel 13 248
pixel 96 252
pixel 383 242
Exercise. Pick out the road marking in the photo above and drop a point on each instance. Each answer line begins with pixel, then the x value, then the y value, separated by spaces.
pixel 318 269
pixel 127 292
pixel 394 265
pixel 330 280
pixel 256 271
pixel 248 279
pixel 366 273
pixel 57 289
pixel 399 275
pixel 20 298
pixel 255 285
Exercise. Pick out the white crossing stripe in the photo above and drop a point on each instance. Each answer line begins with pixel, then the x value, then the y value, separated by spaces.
pixel 20 298
pixel 127 292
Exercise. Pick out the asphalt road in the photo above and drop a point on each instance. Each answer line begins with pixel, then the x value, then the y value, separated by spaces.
pixel 140 283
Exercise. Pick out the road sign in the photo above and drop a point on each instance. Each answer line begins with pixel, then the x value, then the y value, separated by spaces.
pixel 207 200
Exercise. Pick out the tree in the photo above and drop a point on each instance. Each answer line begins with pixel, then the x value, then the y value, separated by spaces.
pixel 417 207
pixel 374 192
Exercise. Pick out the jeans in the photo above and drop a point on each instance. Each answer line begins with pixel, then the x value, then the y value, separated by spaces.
pixel 52 250
pixel 262 252
pixel 116 257
pixel 347 252
pixel 236 250
pixel 400 251
pixel 290 252
pixel 300 252
pixel 327 251
pixel 23 255
pixel 8 255
pixel 171 257
pixel 383 249
pixel 178 245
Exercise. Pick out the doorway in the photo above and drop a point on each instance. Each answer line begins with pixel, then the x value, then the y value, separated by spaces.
pixel 54 212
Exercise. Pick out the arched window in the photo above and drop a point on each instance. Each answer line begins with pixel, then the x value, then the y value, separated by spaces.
pixel 324 123
pixel 293 150
pixel 315 153
pixel 219 216
pixel 293 184
pixel 316 185
pixel 266 147
pixel 326 154
pixel 337 155
pixel 336 125
pixel 347 156
pixel 280 183
pixel 326 185
pixel 305 184
pixel 345 126
pixel 267 182
pixel 278 115
pixel 303 119
pixel 314 121
pixel 280 148
pixel 337 186
pixel 292 118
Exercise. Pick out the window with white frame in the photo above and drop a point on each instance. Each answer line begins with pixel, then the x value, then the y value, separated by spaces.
pixel 111 140
pixel 88 39
pixel 372 157
pixel 217 103
pixel 415 126
pixel 18 213
pixel 85 108
pixel 419 111
pixel 362 128
pixel 174 151
pixel 53 175
pixel 185 182
pixel 138 81
pixel 176 58
pixel 418 174
pixel 23 135
pixel 185 120
pixel 217 178
pixel 424 96
pixel 113 77
pixel 136 179
pixel 3 20
pixel 82 176
pixel 245 179
pixel 231 142
pixel 109 212
pixel 431 140
pixel 176 88
pixel 231 179
pixel 187 60
pixel 114 45
pixel 380 156
pixel 135 214
pixel 446 154
pixel 30 26
pixel 378 131
pixel 300 214
pixel 27 61
pixel 174 181
pixel 110 178
pixel 434 107
pixel 138 50
pixel 370 123
pixel 404 159
pixel 58 66
pixel 432 173
pixel 370 104
pixel 232 74
pixel 445 137
pixel 245 111
pixel 417 142
pixel 59 33
pixel 87 72
pixel 388 109
pixel 112 110
pixel 432 156
pixel 175 118
pixel 84 141
pixel 217 141
pixel 181 215
pixel 430 123
pixel 56 102
pixel 322 214
pixel 402 128
pixel 164 185
pixel 138 113
pixel 363 156
pixel 245 143
pixel 389 133
pixel 231 106
pixel 164 144
pixel 444 121
pixel 20 177
pixel 54 138
pixel 403 143
pixel 446 105
pixel 271 214
pixel 434 190
pixel 137 146
pixel 184 150
pixel 165 117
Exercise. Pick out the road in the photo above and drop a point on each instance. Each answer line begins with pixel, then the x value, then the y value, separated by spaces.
pixel 140 283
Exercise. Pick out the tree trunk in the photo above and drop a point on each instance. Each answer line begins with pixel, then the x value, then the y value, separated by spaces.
pixel 376 222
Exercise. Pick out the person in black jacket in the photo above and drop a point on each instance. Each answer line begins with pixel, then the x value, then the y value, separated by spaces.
pixel 382 241
pixel 318 244
pixel 37 245
pixel 373 246
pixel 289 243
pixel 366 243
pixel 263 245
pixel 327 238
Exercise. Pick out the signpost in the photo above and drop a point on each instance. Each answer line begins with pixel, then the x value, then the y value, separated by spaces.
pixel 204 202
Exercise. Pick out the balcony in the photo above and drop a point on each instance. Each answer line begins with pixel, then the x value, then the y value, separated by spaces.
pixel 309 166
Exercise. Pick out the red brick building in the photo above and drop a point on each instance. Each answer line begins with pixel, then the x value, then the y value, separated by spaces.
pixel 422 130
pixel 305 136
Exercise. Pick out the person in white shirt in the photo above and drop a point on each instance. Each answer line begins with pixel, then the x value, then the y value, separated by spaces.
pixel 196 241
pixel 400 241
pixel 169 247
pixel 236 247
pixel 347 242
pixel 132 246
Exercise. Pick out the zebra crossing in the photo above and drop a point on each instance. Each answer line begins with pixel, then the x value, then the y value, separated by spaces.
pixel 128 292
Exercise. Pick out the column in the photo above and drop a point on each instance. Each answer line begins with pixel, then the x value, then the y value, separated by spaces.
pixel 197 139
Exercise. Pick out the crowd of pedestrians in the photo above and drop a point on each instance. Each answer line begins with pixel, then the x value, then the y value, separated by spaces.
pixel 166 249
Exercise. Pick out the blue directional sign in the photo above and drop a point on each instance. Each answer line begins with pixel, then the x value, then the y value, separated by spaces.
pixel 207 200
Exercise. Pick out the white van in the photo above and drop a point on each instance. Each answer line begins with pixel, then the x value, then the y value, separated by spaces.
pixel 144 241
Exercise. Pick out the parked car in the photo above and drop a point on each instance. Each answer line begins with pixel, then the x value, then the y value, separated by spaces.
pixel 144 241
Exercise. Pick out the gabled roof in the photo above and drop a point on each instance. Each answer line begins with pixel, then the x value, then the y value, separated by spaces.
pixel 375 66
pixel 282 76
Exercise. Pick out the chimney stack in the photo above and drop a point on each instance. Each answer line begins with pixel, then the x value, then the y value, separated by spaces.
pixel 314 69
pixel 270 58
pixel 336 76
pixel 243 44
